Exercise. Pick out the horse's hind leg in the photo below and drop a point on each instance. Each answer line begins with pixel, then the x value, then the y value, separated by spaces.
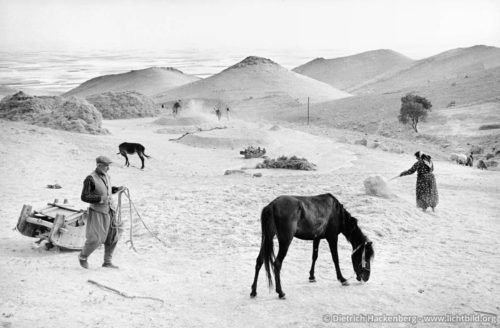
pixel 258 265
pixel 314 258
pixel 284 244
pixel 142 159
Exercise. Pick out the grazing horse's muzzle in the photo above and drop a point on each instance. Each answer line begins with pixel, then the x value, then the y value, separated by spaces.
pixel 363 268
pixel 363 274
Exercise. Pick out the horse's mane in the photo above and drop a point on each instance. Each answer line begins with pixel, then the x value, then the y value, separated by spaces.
pixel 349 224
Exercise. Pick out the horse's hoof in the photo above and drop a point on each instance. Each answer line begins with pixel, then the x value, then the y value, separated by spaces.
pixel 253 294
pixel 282 296
pixel 345 283
pixel 312 279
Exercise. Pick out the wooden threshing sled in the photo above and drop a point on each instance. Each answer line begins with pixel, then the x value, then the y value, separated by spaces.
pixel 60 224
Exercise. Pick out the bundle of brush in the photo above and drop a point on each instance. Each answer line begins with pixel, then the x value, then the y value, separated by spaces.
pixel 377 186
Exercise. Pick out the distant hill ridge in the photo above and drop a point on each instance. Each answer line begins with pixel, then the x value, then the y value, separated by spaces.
pixel 349 72
pixel 254 78
pixel 146 81
pixel 451 64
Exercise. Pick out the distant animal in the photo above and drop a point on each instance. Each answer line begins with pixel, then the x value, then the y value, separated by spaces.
pixel 132 148
pixel 176 108
pixel 458 158
pixel 481 165
pixel 309 218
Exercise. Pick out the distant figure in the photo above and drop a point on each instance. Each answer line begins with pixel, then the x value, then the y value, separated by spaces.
pixel 470 160
pixel 227 112
pixel 481 165
pixel 218 113
pixel 426 189
pixel 132 148
pixel 176 108
pixel 162 106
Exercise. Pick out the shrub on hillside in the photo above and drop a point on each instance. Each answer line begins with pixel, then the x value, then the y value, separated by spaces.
pixel 291 163
pixel 491 163
pixel 489 127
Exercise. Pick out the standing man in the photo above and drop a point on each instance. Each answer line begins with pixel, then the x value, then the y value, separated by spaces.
pixel 101 225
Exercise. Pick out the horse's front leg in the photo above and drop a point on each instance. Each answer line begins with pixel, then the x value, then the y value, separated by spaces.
pixel 314 258
pixel 332 241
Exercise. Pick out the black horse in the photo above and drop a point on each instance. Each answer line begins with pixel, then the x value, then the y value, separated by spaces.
pixel 310 218
pixel 132 148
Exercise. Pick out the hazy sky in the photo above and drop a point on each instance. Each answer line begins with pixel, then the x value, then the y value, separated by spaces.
pixel 415 28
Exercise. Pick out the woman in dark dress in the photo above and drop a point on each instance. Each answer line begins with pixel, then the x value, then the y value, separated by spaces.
pixel 427 194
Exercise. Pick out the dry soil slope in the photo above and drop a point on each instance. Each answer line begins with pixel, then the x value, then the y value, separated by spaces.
pixel 370 109
pixel 147 81
pixel 349 72
pixel 452 64
pixel 252 79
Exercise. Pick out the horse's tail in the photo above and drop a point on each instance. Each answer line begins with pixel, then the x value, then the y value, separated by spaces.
pixel 143 152
pixel 267 246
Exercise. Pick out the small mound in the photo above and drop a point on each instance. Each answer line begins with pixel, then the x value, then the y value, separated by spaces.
pixel 275 128
pixel 376 186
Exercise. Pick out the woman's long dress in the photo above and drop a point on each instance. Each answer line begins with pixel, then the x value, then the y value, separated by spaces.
pixel 426 190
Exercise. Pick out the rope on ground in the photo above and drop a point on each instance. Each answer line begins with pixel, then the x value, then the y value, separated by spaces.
pixel 122 293
pixel 126 192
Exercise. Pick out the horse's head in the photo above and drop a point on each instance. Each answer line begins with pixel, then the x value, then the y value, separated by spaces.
pixel 361 260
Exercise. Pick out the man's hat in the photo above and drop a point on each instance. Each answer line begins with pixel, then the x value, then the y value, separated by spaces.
pixel 103 160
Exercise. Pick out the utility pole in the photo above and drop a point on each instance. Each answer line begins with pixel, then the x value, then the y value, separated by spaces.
pixel 307 110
